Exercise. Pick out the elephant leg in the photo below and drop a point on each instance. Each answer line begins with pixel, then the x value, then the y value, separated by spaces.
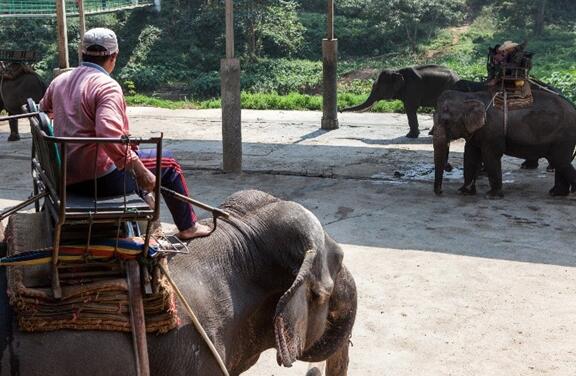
pixel 14 135
pixel 472 163
pixel 529 164
pixel 493 164
pixel 412 120
pixel 337 364
pixel 561 185
pixel 564 173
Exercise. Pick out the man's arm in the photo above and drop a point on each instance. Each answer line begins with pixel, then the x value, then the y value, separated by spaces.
pixel 112 121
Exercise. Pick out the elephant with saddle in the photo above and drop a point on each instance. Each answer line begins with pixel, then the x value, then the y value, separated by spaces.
pixel 546 129
pixel 268 277
pixel 415 86
pixel 17 84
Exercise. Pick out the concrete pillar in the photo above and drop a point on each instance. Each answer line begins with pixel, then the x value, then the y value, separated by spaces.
pixel 329 84
pixel 231 111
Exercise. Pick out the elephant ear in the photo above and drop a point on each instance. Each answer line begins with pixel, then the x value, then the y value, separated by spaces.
pixel 397 82
pixel 475 116
pixel 298 313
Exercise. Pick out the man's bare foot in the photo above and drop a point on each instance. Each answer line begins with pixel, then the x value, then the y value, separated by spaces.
pixel 194 232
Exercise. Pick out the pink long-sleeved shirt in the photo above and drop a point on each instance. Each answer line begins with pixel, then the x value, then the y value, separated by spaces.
pixel 87 102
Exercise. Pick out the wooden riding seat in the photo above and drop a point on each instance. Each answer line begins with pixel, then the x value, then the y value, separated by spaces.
pixel 76 217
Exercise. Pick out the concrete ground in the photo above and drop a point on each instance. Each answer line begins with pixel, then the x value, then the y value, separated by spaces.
pixel 447 285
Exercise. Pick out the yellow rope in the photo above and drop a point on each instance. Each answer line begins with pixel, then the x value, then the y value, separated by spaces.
pixel 196 322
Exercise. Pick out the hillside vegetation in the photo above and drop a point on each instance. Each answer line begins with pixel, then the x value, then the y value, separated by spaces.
pixel 175 54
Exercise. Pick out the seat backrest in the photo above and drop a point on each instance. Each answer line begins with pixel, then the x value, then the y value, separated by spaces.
pixel 45 151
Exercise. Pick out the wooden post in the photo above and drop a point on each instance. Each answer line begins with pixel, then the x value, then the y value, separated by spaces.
pixel 137 318
pixel 82 22
pixel 329 79
pixel 62 35
pixel 231 106
pixel 229 29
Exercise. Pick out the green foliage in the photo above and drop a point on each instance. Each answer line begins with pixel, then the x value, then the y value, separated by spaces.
pixel 564 81
pixel 282 76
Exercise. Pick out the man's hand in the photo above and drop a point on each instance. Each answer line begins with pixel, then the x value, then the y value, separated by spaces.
pixel 145 178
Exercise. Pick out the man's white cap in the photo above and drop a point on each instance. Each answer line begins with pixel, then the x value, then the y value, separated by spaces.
pixel 102 37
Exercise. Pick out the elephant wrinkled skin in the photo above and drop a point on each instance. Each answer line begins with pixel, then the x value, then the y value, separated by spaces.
pixel 547 129
pixel 415 86
pixel 269 277
pixel 15 92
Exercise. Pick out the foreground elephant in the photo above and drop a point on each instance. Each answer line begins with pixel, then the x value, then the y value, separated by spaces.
pixel 415 86
pixel 269 277
pixel 547 129
pixel 13 95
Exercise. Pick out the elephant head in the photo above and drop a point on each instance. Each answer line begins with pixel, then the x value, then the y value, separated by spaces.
pixel 387 86
pixel 456 117
pixel 316 309
pixel 314 317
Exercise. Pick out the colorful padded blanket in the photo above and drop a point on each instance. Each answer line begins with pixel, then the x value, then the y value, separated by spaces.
pixel 87 303
pixel 105 249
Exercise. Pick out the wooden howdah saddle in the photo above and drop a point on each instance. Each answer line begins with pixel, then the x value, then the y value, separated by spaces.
pixel 509 77
pixel 14 63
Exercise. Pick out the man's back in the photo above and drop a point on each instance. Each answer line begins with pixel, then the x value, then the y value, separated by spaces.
pixel 87 102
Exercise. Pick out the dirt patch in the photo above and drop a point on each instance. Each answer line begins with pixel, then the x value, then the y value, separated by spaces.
pixel 362 74
pixel 456 33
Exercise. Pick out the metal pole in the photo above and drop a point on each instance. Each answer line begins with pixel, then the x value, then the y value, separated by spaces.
pixel 82 22
pixel 62 35
pixel 329 80
pixel 231 107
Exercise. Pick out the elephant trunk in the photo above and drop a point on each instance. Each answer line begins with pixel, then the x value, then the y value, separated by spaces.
pixel 335 340
pixel 368 103
pixel 441 147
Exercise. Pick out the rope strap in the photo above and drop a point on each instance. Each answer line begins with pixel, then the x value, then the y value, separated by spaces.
pixel 195 321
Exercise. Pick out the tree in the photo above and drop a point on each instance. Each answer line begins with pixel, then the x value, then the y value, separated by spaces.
pixel 260 24
pixel 536 14
pixel 413 20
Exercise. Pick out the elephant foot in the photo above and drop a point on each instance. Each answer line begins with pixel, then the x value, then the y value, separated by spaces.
pixel 467 191
pixel 448 167
pixel 529 164
pixel 14 137
pixel 314 372
pixel 437 190
pixel 413 134
pixel 560 191
pixel 494 194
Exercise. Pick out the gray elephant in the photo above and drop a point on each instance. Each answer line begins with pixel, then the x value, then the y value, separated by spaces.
pixel 415 86
pixel 15 89
pixel 547 129
pixel 269 277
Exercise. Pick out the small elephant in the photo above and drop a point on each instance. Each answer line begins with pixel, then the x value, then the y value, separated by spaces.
pixel 415 86
pixel 14 91
pixel 268 277
pixel 547 129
